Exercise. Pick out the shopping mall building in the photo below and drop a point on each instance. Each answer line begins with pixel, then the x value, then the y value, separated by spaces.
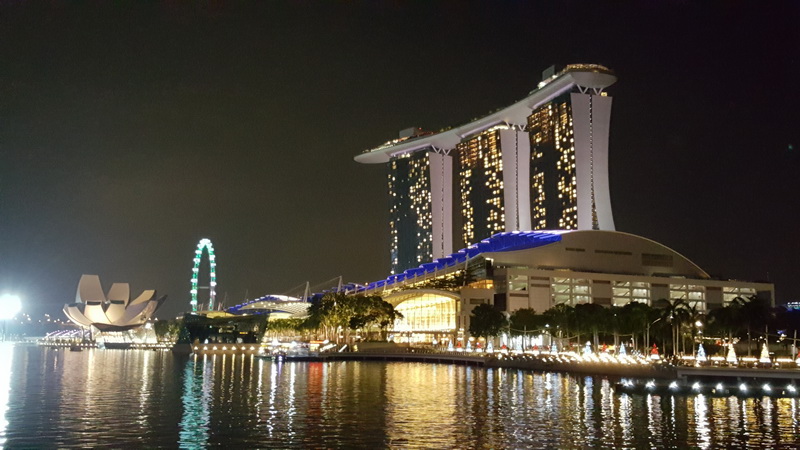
pixel 541 269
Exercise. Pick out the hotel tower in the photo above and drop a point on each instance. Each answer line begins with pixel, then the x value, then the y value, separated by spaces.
pixel 538 164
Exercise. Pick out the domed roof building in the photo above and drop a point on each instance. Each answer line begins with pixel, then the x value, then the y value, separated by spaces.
pixel 542 269
pixel 112 312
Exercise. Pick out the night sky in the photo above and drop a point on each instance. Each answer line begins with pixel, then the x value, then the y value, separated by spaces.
pixel 130 130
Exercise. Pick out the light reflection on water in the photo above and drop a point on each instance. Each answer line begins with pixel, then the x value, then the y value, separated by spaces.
pixel 6 355
pixel 111 398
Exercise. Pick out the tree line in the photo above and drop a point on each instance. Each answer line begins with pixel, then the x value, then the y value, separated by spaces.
pixel 675 326
pixel 336 316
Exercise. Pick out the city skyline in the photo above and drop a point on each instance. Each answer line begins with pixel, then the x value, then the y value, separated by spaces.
pixel 125 144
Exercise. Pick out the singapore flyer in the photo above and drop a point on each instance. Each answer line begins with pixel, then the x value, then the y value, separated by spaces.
pixel 204 244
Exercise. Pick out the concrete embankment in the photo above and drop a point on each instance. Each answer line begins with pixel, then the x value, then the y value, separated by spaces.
pixel 447 358
pixel 534 364
pixel 586 368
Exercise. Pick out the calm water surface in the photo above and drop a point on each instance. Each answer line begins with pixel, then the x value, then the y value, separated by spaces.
pixel 114 398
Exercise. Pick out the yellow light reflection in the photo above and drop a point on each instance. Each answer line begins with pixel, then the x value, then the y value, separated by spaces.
pixel 701 421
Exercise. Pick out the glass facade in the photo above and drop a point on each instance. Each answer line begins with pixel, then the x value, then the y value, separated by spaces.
pixel 410 217
pixel 571 291
pixel 625 292
pixel 554 195
pixel 730 293
pixel 481 183
pixel 692 294
pixel 427 313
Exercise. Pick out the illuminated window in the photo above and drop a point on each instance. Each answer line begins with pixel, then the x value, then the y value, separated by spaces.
pixel 571 291
pixel 481 186
pixel 730 293
pixel 625 292
pixel 411 218
pixel 427 313
pixel 553 205
pixel 694 295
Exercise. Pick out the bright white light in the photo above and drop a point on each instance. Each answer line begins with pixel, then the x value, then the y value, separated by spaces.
pixel 742 387
pixel 673 385
pixel 719 386
pixel 696 386
pixel 791 388
pixel 9 306
pixel 650 384
pixel 766 387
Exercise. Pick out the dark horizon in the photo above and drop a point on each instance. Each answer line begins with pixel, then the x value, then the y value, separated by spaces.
pixel 129 131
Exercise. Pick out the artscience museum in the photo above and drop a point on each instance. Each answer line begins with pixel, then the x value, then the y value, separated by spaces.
pixel 114 311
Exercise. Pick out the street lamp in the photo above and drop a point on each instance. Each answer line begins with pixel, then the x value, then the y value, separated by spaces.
pixel 647 343
pixel 9 307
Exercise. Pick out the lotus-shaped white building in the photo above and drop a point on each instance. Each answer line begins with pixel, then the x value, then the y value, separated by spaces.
pixel 114 312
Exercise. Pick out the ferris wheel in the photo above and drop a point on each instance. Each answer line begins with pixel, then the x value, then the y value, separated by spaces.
pixel 204 244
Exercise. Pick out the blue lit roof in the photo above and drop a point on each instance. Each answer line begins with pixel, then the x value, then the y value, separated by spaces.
pixel 500 242
pixel 274 298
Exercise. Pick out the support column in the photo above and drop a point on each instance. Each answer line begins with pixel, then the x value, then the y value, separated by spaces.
pixel 516 154
pixel 441 167
pixel 591 118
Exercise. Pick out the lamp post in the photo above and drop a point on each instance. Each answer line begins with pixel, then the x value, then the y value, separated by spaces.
pixel 647 343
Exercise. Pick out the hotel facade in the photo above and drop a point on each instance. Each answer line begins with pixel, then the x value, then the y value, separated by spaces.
pixel 540 163
pixel 530 183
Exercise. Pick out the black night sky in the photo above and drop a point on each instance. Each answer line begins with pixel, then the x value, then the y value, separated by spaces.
pixel 130 130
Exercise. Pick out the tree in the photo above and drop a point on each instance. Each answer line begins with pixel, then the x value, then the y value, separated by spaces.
pixel 634 319
pixel 337 311
pixel 559 318
pixel 590 318
pixel 371 312
pixel 724 321
pixel 486 321
pixel 756 314
pixel 523 321
pixel 674 313
pixel 168 330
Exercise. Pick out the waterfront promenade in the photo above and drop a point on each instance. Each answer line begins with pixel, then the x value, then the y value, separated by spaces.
pixel 660 372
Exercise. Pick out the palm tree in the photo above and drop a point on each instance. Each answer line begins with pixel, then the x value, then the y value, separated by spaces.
pixel 634 318
pixel 756 314
pixel 560 317
pixel 675 313
pixel 723 321
pixel 590 318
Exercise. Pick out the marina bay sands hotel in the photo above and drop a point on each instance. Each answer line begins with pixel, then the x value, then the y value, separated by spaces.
pixel 527 189
pixel 538 164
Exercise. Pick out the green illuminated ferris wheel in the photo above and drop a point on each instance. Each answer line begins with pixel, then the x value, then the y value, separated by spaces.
pixel 212 283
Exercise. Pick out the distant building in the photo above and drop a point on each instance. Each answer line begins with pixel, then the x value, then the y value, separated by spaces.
pixel 275 306
pixel 541 163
